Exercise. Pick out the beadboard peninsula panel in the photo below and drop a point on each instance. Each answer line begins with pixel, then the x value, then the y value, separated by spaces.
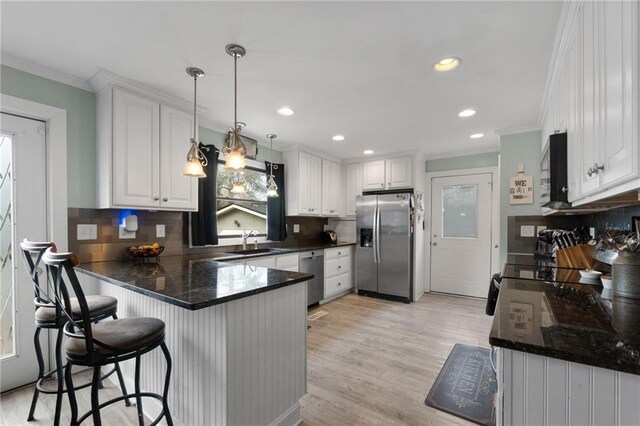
pixel 538 390
pixel 218 377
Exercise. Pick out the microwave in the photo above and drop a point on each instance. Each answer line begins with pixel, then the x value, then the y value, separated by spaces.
pixel 554 185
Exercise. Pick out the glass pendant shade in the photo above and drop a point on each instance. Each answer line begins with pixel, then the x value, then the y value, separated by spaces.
pixel 235 162
pixel 238 188
pixel 193 168
pixel 272 191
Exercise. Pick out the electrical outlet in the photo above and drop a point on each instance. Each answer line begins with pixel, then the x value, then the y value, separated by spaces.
pixel 592 232
pixel 123 234
pixel 539 229
pixel 160 231
pixel 87 232
pixel 296 228
pixel 527 231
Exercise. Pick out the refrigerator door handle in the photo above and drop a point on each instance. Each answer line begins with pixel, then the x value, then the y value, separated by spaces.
pixel 377 226
pixel 375 235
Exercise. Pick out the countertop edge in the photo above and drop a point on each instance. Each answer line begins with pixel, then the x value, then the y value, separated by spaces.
pixel 194 306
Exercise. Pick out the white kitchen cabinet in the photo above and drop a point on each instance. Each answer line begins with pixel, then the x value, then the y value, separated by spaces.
pixel 264 262
pixel 338 272
pixel 303 177
pixel 399 172
pixel 288 262
pixel 353 187
pixel 142 147
pixel 373 175
pixel 332 192
pixel 392 173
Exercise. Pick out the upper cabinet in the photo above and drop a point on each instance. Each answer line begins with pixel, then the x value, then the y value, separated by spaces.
pixel 303 177
pixel 331 188
pixel 142 147
pixel 353 187
pixel 594 96
pixel 394 173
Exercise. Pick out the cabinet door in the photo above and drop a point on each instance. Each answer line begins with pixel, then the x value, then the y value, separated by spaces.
pixel 315 185
pixel 136 150
pixel 353 180
pixel 327 188
pixel 263 262
pixel 399 172
pixel 574 111
pixel 337 189
pixel 304 175
pixel 176 191
pixel 373 175
pixel 617 82
pixel 590 97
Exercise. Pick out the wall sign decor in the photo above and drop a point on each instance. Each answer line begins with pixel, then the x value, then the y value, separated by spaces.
pixel 521 187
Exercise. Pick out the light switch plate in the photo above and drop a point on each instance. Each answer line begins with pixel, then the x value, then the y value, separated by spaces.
pixel 123 234
pixel 296 228
pixel 527 231
pixel 87 232
pixel 160 231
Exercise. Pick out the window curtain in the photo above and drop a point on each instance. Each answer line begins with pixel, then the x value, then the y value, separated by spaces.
pixel 204 224
pixel 276 215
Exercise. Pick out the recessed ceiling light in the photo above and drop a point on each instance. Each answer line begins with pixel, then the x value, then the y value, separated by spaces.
pixel 338 138
pixel 286 111
pixel 477 135
pixel 467 113
pixel 367 152
pixel 447 64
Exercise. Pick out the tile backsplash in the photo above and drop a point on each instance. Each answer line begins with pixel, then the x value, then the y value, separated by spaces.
pixel 619 219
pixel 108 245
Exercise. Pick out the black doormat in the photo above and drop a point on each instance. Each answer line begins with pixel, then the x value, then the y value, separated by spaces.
pixel 466 385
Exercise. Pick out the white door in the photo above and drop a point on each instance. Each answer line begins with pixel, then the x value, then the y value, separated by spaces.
pixel 23 208
pixel 315 184
pixel 399 172
pixel 177 191
pixel 136 150
pixel 461 234
pixel 373 175
pixel 353 178
pixel 304 183
pixel 327 188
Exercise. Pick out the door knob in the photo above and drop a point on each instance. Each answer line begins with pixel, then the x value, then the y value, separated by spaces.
pixel 156 198
pixel 165 199
pixel 434 244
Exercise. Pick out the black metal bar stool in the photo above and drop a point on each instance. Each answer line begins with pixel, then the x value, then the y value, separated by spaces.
pixel 49 316
pixel 104 343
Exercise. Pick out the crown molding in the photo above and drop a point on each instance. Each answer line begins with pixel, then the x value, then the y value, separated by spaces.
pixel 466 153
pixel 103 78
pixel 384 156
pixel 44 72
pixel 567 17
pixel 513 130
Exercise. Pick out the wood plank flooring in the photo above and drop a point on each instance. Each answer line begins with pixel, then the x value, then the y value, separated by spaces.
pixel 370 362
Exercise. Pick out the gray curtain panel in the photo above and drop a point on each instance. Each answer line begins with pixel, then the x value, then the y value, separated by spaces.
pixel 204 225
pixel 276 214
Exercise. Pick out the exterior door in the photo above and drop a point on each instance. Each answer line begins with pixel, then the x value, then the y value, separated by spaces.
pixel 461 234
pixel 23 207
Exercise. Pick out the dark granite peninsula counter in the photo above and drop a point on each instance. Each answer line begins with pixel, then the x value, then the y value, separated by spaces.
pixel 236 334
pixel 192 282
pixel 568 352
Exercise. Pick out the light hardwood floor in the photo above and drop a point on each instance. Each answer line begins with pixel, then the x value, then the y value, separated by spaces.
pixel 370 362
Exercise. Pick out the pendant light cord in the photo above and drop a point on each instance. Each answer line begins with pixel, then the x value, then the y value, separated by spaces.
pixel 195 92
pixel 235 91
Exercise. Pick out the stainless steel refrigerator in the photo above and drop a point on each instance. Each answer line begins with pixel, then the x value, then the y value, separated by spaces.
pixel 384 245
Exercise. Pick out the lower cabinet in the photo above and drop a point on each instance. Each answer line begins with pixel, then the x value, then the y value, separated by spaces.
pixel 338 272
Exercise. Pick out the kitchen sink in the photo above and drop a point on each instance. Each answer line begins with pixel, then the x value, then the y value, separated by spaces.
pixel 255 251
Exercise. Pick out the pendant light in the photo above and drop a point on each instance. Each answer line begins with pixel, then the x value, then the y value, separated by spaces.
pixel 196 159
pixel 234 149
pixel 238 188
pixel 272 188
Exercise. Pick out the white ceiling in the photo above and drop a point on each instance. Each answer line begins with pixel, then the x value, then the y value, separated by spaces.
pixel 361 69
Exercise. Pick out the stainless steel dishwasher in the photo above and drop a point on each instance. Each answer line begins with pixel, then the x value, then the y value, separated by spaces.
pixel 311 262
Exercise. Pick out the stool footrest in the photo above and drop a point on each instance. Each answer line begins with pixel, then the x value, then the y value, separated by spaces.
pixel 120 398
pixel 41 389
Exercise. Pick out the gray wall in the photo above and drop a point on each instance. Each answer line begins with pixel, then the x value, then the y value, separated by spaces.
pixel 488 159
pixel 81 129
pixel 514 149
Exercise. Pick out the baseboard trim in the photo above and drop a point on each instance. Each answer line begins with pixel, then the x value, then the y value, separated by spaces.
pixel 291 417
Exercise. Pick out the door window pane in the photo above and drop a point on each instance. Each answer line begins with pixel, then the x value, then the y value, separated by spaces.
pixel 459 211
pixel 6 246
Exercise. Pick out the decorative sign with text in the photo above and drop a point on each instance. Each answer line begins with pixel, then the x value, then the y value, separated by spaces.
pixel 521 318
pixel 521 190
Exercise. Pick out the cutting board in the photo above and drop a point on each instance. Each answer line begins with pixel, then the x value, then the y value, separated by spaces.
pixel 581 256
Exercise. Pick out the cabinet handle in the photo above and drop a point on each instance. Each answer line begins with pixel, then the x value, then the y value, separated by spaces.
pixel 382 184
pixel 156 198
pixel 339 267
pixel 165 199
pixel 388 183
pixel 595 169
pixel 564 189
pixel 339 284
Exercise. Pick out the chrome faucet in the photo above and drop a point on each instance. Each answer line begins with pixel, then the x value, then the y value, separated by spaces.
pixel 246 235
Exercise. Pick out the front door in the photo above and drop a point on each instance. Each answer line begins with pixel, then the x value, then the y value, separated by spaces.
pixel 461 234
pixel 23 210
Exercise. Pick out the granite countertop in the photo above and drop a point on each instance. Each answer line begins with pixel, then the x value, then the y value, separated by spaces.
pixel 571 321
pixel 192 282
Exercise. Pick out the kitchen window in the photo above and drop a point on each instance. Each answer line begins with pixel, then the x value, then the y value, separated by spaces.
pixel 246 212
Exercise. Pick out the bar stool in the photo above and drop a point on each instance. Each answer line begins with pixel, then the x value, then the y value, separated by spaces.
pixel 49 316
pixel 104 343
